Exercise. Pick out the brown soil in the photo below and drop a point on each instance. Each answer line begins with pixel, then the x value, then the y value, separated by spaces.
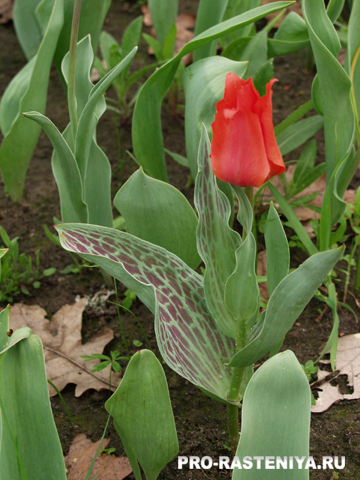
pixel 200 421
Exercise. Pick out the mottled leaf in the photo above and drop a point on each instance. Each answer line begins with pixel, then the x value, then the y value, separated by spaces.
pixel 217 242
pixel 188 338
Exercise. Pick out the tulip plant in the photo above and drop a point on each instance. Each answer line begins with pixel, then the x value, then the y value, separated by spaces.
pixel 210 330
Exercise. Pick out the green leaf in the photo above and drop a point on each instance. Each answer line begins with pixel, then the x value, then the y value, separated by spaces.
pixel 203 84
pixel 89 117
pixel 188 338
pixel 352 61
pixel 277 400
pixel 163 16
pixel 157 212
pixel 297 133
pixel 27 26
pixel 107 42
pixel 293 219
pixel 333 204
pixel 140 404
pixel 27 427
pixel 15 155
pixel 293 117
pixel 241 289
pixel 67 175
pixel 277 250
pixel 131 36
pixel 334 83
pixel 92 17
pixel 234 8
pixel 334 9
pixel 217 242
pixel 209 13
pixel 290 37
pixel 48 272
pixel 147 132
pixel 255 53
pixel 245 214
pixel 287 302
pixel 305 172
pixel 180 159
pixel 168 45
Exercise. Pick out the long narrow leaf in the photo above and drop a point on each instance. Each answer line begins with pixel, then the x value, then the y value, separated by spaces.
pixel 217 242
pixel 286 304
pixel 73 207
pixel 15 155
pixel 335 85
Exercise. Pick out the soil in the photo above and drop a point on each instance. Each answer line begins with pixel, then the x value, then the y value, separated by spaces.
pixel 200 421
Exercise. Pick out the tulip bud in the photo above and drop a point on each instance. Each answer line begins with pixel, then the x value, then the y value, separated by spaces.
pixel 244 151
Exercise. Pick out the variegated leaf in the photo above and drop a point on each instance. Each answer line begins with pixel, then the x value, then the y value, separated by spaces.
pixel 188 338
pixel 217 242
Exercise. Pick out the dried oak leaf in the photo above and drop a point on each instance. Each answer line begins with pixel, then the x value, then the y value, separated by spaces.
pixel 61 339
pixel 81 454
pixel 6 10
pixel 347 363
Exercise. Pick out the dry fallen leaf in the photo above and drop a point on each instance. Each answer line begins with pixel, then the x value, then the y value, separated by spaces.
pixel 81 454
pixel 347 363
pixel 5 10
pixel 61 339
pixel 296 7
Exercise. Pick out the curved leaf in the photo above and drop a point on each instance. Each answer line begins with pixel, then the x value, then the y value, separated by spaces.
pixel 157 212
pixel 140 404
pixel 15 155
pixel 335 85
pixel 275 420
pixel 286 304
pixel 188 338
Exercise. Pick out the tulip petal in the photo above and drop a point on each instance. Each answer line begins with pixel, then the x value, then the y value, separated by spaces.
pixel 238 154
pixel 272 150
pixel 244 151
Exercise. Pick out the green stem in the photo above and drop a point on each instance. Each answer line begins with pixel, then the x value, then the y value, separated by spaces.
pixel 72 62
pixel 121 326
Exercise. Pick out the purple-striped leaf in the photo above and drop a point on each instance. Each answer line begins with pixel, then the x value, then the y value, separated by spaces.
pixel 188 338
pixel 216 241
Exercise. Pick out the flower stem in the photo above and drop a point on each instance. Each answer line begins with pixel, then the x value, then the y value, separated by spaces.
pixel 249 192
pixel 72 62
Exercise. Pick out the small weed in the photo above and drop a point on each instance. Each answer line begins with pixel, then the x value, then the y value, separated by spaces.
pixel 17 271
pixel 113 360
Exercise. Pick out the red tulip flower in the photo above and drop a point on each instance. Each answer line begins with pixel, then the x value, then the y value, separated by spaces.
pixel 244 151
